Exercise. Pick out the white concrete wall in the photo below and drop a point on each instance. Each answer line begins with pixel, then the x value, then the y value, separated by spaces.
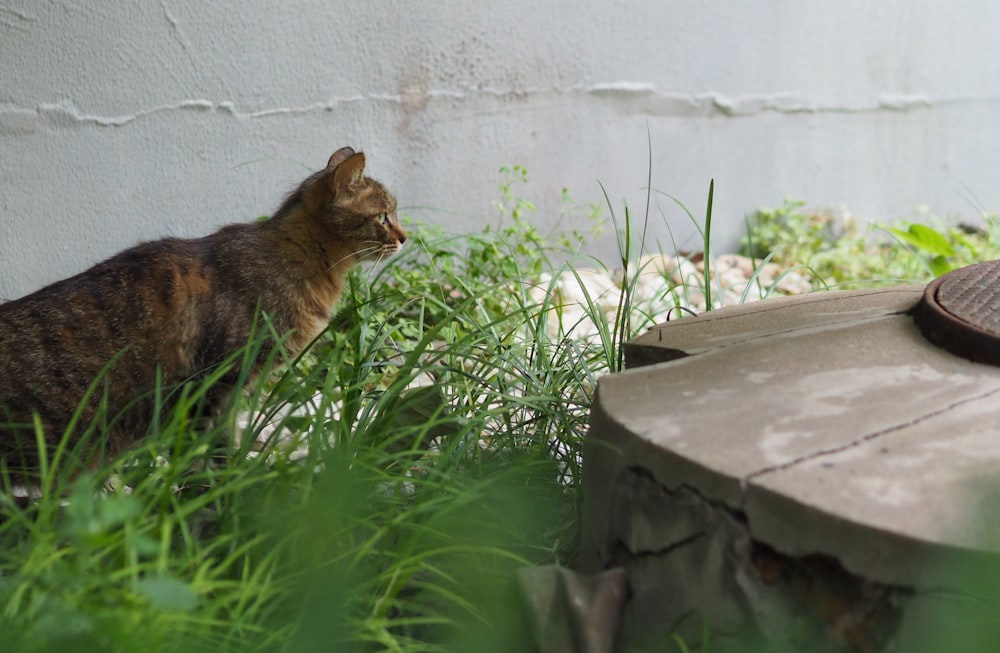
pixel 122 121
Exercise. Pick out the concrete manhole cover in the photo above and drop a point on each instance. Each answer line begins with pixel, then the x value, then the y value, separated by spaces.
pixel 960 312
pixel 757 457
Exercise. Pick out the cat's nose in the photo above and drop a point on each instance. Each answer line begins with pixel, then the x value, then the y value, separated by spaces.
pixel 401 237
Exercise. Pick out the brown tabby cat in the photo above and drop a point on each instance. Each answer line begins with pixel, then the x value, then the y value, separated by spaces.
pixel 180 308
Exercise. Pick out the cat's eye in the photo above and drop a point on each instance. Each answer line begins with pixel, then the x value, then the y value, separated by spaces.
pixel 384 217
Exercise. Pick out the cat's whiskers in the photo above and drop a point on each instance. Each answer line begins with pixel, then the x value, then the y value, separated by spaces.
pixel 359 253
pixel 374 267
pixel 384 250
pixel 364 251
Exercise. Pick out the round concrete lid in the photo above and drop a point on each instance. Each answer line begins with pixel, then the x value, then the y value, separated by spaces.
pixel 960 312
pixel 823 429
pixel 826 421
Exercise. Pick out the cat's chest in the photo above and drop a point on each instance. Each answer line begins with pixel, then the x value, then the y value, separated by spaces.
pixel 305 332
pixel 311 306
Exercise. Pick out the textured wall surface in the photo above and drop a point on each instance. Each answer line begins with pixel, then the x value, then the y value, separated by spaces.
pixel 125 121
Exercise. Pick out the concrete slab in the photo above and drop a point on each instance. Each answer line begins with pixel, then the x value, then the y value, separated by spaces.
pixel 826 424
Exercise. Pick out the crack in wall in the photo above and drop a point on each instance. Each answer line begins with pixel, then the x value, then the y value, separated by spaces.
pixel 175 27
pixel 634 480
pixel 634 98
pixel 868 437
pixel 748 589
pixel 755 593
pixel 714 103
pixel 662 551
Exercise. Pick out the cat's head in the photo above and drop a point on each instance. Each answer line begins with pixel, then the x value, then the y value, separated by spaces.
pixel 354 209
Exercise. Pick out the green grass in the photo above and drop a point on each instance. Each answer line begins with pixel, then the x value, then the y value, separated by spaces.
pixel 423 448
pixel 835 251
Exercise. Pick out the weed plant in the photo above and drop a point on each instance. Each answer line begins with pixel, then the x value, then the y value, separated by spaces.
pixel 838 253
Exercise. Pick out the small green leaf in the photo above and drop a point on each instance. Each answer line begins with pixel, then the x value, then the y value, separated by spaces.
pixel 934 241
pixel 925 238
pixel 939 265
pixel 167 593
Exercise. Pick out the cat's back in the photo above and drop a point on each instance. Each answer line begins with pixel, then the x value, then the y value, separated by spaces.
pixel 135 309
pixel 134 286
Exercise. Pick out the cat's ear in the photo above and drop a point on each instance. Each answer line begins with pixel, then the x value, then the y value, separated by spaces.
pixel 339 157
pixel 349 174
